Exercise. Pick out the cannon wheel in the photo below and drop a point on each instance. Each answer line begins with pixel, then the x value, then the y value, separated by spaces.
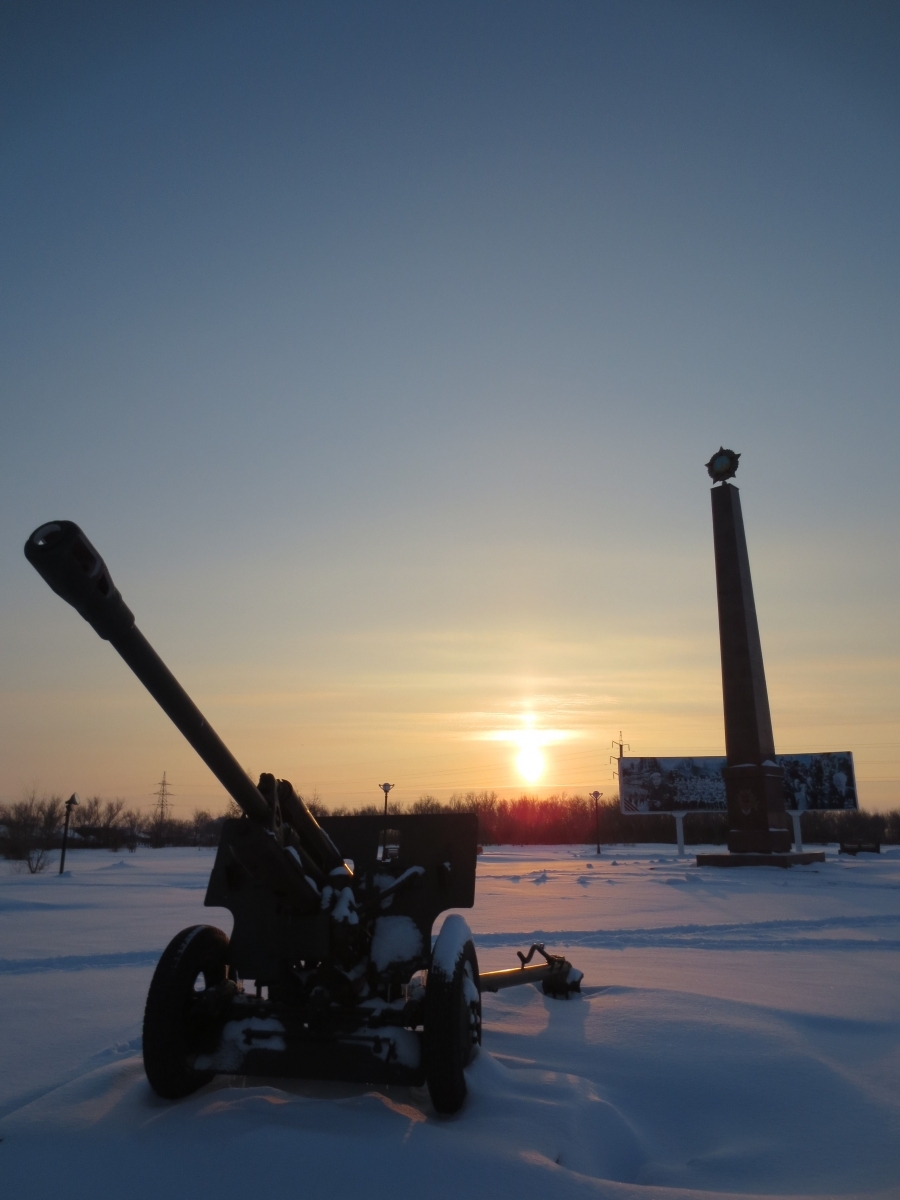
pixel 194 960
pixel 452 1030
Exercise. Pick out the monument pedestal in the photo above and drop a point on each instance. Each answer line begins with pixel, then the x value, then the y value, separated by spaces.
pixel 791 859
pixel 757 823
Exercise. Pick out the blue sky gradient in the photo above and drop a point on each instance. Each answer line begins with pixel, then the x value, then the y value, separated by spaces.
pixel 379 349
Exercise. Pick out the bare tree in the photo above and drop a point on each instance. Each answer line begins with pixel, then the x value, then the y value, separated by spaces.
pixel 109 827
pixel 205 828
pixel 31 826
pixel 132 824
pixel 36 860
pixel 86 818
pixel 427 804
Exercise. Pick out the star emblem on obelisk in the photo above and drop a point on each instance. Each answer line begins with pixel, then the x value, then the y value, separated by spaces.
pixel 723 465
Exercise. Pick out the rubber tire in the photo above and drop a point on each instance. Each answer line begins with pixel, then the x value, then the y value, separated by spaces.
pixel 452 1030
pixel 168 1038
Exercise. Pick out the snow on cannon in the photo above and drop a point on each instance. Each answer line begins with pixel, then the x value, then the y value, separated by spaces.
pixel 337 942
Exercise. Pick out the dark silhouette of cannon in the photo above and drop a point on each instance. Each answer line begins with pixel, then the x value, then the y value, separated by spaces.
pixel 337 942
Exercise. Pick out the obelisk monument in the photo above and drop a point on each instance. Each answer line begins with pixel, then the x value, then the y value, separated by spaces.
pixel 757 823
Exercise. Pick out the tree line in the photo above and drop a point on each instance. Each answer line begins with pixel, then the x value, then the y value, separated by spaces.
pixel 574 820
pixel 32 827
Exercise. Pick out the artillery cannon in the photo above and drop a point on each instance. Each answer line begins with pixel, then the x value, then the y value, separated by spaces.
pixel 337 942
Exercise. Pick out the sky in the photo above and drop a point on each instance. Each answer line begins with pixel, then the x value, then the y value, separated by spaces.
pixel 379 349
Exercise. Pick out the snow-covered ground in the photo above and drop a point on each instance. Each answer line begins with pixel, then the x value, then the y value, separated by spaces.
pixel 739 1031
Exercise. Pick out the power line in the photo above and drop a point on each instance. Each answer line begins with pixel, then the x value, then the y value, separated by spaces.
pixel 617 759
pixel 163 807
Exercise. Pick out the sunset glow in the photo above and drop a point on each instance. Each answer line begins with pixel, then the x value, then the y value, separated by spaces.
pixel 484 345
pixel 530 761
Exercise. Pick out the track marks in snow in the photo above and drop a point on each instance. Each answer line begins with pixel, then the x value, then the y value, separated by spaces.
pixel 35 906
pixel 79 962
pixel 798 934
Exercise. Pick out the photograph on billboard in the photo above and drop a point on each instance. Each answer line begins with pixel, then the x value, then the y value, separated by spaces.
pixel 819 781
pixel 668 785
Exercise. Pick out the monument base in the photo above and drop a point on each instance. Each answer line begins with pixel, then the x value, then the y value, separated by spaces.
pixel 756 820
pixel 759 841
pixel 791 859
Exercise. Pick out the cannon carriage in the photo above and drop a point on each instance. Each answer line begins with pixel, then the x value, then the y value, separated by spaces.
pixel 329 972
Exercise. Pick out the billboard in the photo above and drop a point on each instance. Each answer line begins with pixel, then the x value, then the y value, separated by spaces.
pixel 669 785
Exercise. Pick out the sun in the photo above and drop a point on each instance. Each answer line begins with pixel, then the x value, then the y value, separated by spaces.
pixel 530 741
pixel 529 760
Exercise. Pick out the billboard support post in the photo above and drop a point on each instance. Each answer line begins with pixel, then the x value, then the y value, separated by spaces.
pixel 597 797
pixel 794 814
pixel 679 830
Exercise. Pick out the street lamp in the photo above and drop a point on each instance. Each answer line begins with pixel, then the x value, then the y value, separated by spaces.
pixel 385 787
pixel 596 797
pixel 70 804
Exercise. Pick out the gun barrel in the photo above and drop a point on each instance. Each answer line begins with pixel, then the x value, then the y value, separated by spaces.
pixel 66 560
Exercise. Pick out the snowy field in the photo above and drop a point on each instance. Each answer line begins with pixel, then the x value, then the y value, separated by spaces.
pixel 739 1032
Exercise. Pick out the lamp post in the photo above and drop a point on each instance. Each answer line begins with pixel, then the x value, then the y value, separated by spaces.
pixel 385 787
pixel 70 804
pixel 596 797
